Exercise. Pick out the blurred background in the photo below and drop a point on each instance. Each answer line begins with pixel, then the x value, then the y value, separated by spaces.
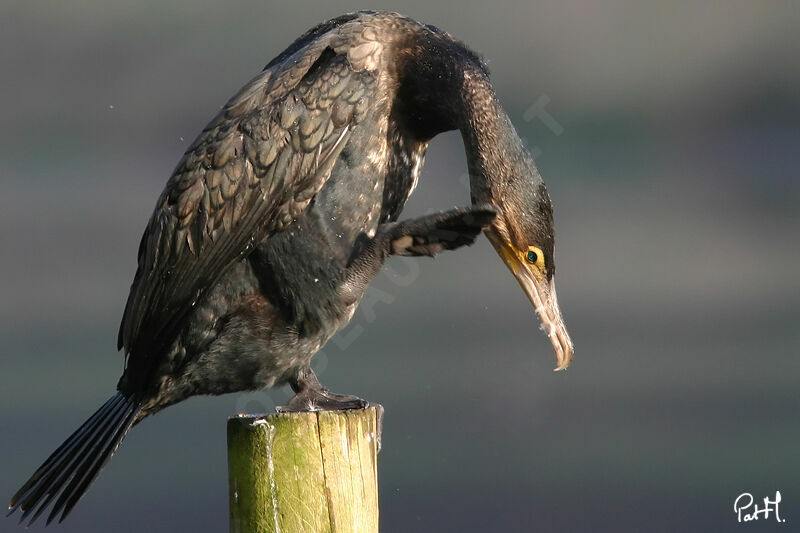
pixel 668 135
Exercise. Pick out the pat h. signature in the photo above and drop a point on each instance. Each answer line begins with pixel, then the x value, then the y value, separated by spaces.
pixel 747 511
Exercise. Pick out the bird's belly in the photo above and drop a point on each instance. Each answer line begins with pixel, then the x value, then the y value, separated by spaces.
pixel 235 340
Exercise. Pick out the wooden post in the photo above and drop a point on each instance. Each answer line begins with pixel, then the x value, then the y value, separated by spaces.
pixel 311 472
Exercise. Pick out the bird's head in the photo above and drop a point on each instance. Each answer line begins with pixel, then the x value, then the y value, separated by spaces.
pixel 523 236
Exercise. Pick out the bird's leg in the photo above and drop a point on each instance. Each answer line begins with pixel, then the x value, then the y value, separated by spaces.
pixel 310 395
pixel 431 234
pixel 426 235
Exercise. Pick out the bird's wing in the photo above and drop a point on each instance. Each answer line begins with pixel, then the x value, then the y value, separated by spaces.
pixel 250 173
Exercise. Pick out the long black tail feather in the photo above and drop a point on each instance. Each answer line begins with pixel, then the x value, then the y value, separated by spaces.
pixel 76 463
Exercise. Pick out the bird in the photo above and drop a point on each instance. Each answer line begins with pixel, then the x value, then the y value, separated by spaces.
pixel 282 211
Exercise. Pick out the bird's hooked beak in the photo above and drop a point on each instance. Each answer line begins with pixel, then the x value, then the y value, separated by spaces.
pixel 540 292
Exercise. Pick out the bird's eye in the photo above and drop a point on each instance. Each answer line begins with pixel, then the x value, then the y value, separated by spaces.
pixel 534 256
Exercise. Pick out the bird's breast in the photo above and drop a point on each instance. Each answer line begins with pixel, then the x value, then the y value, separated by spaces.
pixel 351 201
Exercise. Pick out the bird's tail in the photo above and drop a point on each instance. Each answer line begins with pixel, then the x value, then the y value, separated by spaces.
pixel 69 470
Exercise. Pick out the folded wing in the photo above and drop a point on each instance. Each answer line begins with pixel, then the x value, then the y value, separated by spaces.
pixel 251 172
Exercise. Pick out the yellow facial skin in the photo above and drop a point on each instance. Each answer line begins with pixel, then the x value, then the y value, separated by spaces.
pixel 535 253
pixel 517 259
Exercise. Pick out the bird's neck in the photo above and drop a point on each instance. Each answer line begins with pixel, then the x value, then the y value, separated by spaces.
pixel 495 153
pixel 444 87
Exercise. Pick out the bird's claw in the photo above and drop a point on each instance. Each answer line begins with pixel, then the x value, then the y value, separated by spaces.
pixel 321 400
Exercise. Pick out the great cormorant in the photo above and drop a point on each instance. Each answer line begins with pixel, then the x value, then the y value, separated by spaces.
pixel 283 210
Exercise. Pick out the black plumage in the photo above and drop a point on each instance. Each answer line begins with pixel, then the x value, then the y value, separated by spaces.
pixel 283 210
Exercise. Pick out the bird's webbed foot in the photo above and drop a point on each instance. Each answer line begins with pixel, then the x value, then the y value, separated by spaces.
pixel 426 235
pixel 310 395
pixel 431 234
pixel 321 400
